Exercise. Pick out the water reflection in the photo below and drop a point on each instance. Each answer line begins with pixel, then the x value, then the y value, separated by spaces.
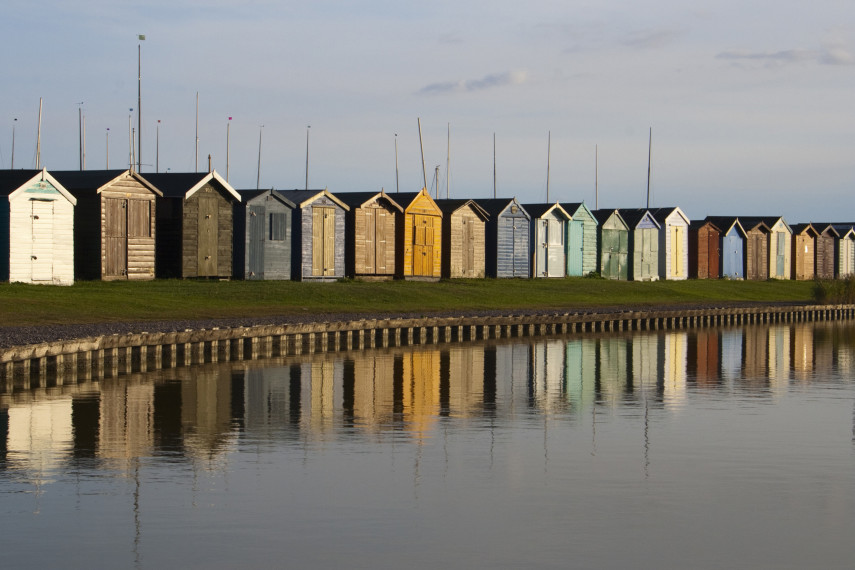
pixel 199 413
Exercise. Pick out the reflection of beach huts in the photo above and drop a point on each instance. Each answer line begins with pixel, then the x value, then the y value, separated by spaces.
pixel 114 224
pixel 507 238
pixel 262 235
pixel 845 264
pixel 581 240
pixel 464 225
pixel 36 228
pixel 548 252
pixel 756 248
pixel 827 243
pixel 317 240
pixel 613 245
pixel 643 244
pixel 370 231
pixel 419 237
pixel 704 358
pixel 673 243
pixel 195 225
pixel 704 250
pixel 803 251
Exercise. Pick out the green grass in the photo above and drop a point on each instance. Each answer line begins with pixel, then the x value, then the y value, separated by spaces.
pixel 95 301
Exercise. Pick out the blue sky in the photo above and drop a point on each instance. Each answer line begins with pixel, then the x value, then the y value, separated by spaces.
pixel 750 102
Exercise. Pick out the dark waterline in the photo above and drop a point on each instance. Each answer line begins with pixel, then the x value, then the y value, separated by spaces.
pixel 730 447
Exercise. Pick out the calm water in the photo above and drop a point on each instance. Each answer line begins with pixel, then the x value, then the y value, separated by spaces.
pixel 724 448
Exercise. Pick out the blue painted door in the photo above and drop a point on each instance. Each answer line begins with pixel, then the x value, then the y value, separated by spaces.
pixel 575 247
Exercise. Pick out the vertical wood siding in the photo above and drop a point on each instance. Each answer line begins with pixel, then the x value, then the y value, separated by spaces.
pixel 825 246
pixel 463 241
pixel 422 238
pixel 780 252
pixel 128 211
pixel 322 240
pixel 207 254
pixel 41 250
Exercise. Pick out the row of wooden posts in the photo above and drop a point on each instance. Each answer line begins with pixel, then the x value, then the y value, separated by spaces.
pixel 60 226
pixel 114 355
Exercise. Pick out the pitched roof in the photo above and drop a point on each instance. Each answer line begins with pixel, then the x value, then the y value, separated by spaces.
pixel 603 215
pixel 93 181
pixel 634 216
pixel 357 199
pixel 302 197
pixel 540 209
pixel 726 223
pixel 184 184
pixel 248 195
pixel 12 181
pixel 449 206
pixel 573 207
pixel 660 214
pixel 495 206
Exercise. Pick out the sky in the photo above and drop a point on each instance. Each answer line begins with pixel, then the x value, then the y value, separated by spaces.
pixel 751 104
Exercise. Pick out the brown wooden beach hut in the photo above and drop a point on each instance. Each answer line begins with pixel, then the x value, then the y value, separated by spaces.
pixel 114 223
pixel 370 231
pixel 804 251
pixel 756 248
pixel 827 250
pixel 419 237
pixel 464 225
pixel 704 250
pixel 195 225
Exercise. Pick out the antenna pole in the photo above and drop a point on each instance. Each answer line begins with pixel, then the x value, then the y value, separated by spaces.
pixel 197 131
pixel 494 165
pixel 421 146
pixel 596 177
pixel 308 128
pixel 258 176
pixel 139 103
pixel 447 161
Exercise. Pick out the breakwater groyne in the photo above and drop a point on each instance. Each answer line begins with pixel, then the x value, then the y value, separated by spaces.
pixel 55 363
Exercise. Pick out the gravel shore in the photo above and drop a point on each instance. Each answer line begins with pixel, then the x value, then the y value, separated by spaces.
pixel 26 335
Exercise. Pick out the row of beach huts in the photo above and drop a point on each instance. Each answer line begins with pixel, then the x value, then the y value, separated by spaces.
pixel 59 226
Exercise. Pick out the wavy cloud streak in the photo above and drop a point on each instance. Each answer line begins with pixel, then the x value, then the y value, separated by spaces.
pixel 491 81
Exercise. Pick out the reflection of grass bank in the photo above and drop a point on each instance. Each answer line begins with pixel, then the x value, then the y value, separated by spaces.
pixel 95 301
pixel 834 291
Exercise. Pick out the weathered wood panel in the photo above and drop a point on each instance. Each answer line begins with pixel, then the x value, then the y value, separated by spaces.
pixel 804 251
pixel 464 235
pixel 825 255
pixel 756 255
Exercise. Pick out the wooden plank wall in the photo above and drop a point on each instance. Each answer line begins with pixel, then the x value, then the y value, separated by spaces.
pixel 306 244
pixel 464 236
pixel 140 227
pixel 421 206
pixel 190 233
pixel 512 245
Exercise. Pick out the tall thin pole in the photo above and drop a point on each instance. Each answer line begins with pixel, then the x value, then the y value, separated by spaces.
pixel 107 146
pixel 14 122
pixel 421 146
pixel 307 156
pixel 39 139
pixel 494 165
pixel 84 142
pixel 197 131
pixel 548 155
pixel 596 177
pixel 139 103
pixel 397 188
pixel 649 154
pixel 157 149
pixel 130 141
pixel 258 176
pixel 447 161
pixel 228 132
pixel 80 132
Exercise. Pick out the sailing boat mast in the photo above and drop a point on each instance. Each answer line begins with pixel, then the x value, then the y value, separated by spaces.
pixel 548 153
pixel 596 177
pixel 447 160
pixel 494 165
pixel 39 139
pixel 649 151
pixel 421 146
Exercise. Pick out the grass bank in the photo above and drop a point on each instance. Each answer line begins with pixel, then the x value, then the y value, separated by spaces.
pixel 97 302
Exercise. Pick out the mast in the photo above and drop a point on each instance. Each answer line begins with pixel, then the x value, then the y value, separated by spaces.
pixel 39 139
pixel 396 164
pixel 494 165
pixel 308 128
pixel 14 122
pixel 596 177
pixel 649 153
pixel 80 132
pixel 157 150
pixel 421 146
pixel 107 141
pixel 548 153
pixel 84 143
pixel 139 102
pixel 228 129
pixel 447 160
pixel 197 132
pixel 258 176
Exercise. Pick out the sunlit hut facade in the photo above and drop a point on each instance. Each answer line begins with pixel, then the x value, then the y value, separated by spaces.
pixel 464 229
pixel 643 244
pixel 704 250
pixel 581 239
pixel 845 249
pixel 114 224
pixel 370 234
pixel 673 243
pixel 612 245
pixel 827 242
pixel 804 251
pixel 36 228
pixel 756 248
pixel 317 235
pixel 732 244
pixel 548 250
pixel 420 237
pixel 780 248
pixel 507 238
pixel 195 225
pixel 262 235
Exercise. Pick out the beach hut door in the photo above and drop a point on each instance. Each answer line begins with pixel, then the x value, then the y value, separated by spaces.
pixel 208 235
pixel 323 241
pixel 41 258
pixel 575 247
pixel 677 236
pixel 423 245
pixel 115 237
pixel 781 254
pixel 257 219
pixel 555 249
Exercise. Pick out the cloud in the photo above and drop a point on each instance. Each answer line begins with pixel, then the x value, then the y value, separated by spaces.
pixel 487 82
pixel 829 55
pixel 649 39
